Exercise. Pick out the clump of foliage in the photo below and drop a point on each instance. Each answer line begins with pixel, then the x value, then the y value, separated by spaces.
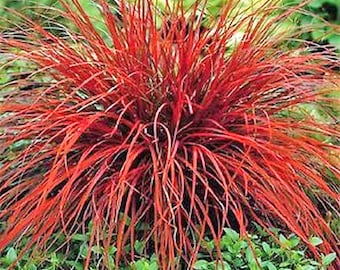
pixel 237 254
pixel 262 251
pixel 164 125
pixel 322 18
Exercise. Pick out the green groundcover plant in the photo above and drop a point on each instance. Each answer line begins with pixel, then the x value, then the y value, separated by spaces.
pixel 150 118
pixel 322 17
pixel 259 251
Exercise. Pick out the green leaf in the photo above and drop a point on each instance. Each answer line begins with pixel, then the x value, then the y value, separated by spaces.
pixel 315 241
pixel 296 256
pixel 293 241
pixel 284 241
pixel 97 250
pixel 307 267
pixel 201 265
pixel 319 35
pixel 266 248
pixel 31 266
pixel 75 264
pixel 20 145
pixel 139 247
pixel 328 259
pixel 250 256
pixel 111 262
pixel 79 237
pixel 153 266
pixel 237 247
pixel 220 266
pixel 238 263
pixel 227 256
pixel 11 255
pixel 316 4
pixel 209 245
pixel 284 264
pixel 141 265
pixel 112 250
pixel 142 226
pixel 127 219
pixel 84 250
pixel 334 39
pixel 269 265
pixel 53 258
pixel 230 233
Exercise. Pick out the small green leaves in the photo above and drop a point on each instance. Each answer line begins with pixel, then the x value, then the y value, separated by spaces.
pixel 236 251
pixel 264 251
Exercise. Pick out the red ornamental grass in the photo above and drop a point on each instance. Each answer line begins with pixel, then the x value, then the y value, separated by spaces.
pixel 170 124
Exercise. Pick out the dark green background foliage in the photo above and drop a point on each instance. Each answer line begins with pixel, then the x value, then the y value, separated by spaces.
pixel 321 12
pixel 323 16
